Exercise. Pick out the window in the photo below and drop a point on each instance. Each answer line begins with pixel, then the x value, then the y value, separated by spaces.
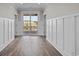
pixel 26 23
pixel 34 23
pixel 30 23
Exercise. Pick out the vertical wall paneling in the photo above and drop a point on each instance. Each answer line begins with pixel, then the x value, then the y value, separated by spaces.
pixel 51 30
pixel 54 31
pixel 74 53
pixel 9 29
pixel 48 29
pixel 60 33
pixel 13 29
pixel 6 31
pixel 1 33
pixel 69 35
pixel 63 33
pixel 77 35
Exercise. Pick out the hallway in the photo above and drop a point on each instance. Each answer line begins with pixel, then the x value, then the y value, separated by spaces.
pixel 30 46
pixel 33 29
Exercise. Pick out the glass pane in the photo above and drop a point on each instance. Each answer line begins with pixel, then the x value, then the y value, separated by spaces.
pixel 27 18
pixel 34 18
pixel 26 23
pixel 34 23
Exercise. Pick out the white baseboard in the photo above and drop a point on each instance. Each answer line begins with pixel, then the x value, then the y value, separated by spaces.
pixel 5 45
pixel 60 51
pixel 55 47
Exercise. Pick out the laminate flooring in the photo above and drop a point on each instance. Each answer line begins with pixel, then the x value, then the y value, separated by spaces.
pixel 30 46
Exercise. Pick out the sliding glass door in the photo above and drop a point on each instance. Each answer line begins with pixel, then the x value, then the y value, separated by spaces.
pixel 30 23
pixel 34 23
pixel 26 23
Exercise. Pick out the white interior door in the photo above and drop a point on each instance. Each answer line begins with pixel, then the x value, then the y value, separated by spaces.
pixel 69 31
pixel 60 33
pixel 54 31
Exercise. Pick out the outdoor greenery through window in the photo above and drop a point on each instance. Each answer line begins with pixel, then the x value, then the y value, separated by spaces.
pixel 30 23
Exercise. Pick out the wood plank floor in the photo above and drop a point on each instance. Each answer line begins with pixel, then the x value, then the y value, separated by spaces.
pixel 30 46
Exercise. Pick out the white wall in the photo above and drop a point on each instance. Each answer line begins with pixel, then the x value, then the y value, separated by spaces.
pixel 41 23
pixel 65 34
pixel 6 32
pixel 65 37
pixel 60 9
pixel 19 24
pixel 7 10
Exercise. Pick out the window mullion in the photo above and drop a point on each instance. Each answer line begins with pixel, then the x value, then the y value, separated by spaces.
pixel 30 23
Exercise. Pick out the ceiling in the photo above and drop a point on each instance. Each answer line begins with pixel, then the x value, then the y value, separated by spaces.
pixel 30 6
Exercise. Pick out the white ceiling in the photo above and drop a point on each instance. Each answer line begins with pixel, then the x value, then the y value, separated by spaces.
pixel 30 6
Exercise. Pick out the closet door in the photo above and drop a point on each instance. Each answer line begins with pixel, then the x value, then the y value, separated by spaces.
pixel 1 33
pixel 54 31
pixel 60 33
pixel 6 31
pixel 69 35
